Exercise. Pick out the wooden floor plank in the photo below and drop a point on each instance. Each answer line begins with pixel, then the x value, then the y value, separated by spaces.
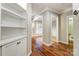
pixel 56 49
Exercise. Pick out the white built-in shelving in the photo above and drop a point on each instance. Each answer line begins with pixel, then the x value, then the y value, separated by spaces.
pixel 13 23
pixel 13 30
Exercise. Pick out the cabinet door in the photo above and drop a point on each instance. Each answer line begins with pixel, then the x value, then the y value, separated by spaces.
pixel 9 49
pixel 17 48
pixel 22 47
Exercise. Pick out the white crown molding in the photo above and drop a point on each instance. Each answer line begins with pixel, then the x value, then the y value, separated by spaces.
pixel 67 10
pixel 54 11
pixel 49 9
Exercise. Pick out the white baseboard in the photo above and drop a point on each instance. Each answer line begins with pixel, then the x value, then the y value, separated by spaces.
pixel 29 53
pixel 53 42
pixel 63 42
pixel 47 44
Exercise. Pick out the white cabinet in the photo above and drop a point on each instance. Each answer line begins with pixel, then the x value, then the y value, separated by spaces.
pixel 9 49
pixel 22 47
pixel 17 48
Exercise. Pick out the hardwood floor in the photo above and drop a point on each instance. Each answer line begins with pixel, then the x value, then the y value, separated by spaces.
pixel 56 49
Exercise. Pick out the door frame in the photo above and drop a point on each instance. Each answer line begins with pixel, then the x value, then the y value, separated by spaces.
pixel 67 26
pixel 57 27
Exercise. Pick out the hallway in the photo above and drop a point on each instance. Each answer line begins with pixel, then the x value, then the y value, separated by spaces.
pixel 41 29
pixel 56 49
pixel 50 21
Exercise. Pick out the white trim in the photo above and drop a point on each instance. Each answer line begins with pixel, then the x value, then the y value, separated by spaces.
pixel 67 10
pixel 43 11
pixel 57 23
pixel 47 44
pixel 23 6
pixel 57 27
pixel 10 26
pixel 29 53
pixel 7 11
pixel 63 42
pixel 6 41
pixel 53 42
pixel 49 9
pixel 67 27
pixel 52 10
pixel 0 21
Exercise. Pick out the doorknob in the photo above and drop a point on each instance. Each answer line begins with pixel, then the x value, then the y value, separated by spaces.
pixel 19 42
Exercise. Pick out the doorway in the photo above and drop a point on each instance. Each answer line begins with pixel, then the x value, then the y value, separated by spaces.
pixel 70 32
pixel 54 29
pixel 37 33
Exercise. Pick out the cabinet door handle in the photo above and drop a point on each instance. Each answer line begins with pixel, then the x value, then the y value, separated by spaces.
pixel 19 42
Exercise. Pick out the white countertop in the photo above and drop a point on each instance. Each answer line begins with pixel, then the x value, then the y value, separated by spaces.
pixel 6 41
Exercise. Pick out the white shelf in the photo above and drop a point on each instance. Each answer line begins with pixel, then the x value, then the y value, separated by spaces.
pixel 9 12
pixel 12 26
pixel 13 23
pixel 6 41
pixel 16 7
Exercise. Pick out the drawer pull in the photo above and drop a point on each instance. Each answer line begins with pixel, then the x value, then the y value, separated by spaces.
pixel 19 42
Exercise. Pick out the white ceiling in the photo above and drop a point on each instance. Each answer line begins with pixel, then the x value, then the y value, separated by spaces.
pixel 56 7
